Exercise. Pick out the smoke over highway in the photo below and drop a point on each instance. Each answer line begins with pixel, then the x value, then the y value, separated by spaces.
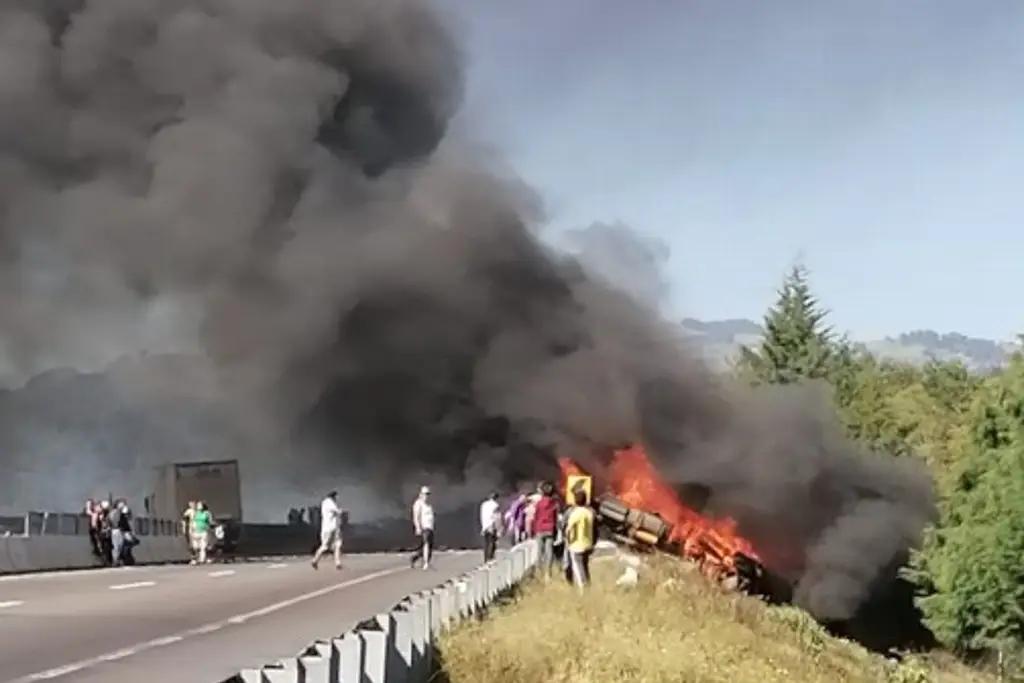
pixel 267 185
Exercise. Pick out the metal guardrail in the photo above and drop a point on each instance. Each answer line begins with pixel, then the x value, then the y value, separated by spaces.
pixel 398 646
pixel 45 523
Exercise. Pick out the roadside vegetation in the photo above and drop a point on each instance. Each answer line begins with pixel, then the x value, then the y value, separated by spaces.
pixel 969 575
pixel 674 626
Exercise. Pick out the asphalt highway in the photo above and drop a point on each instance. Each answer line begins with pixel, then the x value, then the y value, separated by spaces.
pixel 176 623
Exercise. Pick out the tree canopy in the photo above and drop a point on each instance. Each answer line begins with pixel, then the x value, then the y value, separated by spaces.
pixel 969 429
pixel 797 345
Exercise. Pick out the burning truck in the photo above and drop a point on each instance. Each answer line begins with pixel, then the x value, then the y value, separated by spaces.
pixel 641 512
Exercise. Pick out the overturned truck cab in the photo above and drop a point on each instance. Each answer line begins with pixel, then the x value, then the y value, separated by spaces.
pixel 644 531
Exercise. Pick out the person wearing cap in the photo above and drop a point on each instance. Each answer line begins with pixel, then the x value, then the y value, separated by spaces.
pixel 423 523
pixel 330 530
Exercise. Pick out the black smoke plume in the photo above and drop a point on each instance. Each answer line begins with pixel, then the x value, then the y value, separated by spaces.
pixel 267 185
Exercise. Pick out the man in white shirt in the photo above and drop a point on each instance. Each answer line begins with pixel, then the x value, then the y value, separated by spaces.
pixel 490 525
pixel 330 530
pixel 423 523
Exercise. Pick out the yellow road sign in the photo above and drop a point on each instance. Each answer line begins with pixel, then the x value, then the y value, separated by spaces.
pixel 576 482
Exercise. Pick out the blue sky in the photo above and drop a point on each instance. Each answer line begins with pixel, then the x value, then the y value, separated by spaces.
pixel 882 141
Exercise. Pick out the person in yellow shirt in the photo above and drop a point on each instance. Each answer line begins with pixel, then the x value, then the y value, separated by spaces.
pixel 579 536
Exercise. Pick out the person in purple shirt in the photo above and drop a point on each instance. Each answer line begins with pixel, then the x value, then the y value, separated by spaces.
pixel 515 518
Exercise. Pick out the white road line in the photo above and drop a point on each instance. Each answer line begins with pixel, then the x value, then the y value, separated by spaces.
pixel 129 586
pixel 74 667
pixel 279 565
pixel 11 603
pixel 75 573
pixel 223 572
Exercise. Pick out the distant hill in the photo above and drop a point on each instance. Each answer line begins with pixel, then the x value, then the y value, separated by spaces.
pixel 719 340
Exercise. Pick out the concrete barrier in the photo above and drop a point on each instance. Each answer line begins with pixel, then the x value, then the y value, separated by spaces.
pixel 58 541
pixel 398 646
pixel 25 554
pixel 45 541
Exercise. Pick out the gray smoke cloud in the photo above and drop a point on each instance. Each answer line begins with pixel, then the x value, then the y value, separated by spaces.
pixel 263 185
pixel 633 263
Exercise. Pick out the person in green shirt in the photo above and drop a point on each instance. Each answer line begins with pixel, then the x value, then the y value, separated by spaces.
pixel 201 523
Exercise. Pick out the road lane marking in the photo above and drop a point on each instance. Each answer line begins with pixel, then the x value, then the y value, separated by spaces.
pixel 11 603
pixel 123 653
pixel 223 572
pixel 129 586
pixel 76 573
pixel 279 565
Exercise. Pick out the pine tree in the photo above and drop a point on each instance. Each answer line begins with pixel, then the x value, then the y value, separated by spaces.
pixel 797 345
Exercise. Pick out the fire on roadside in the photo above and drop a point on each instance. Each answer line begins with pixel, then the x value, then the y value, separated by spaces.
pixel 713 544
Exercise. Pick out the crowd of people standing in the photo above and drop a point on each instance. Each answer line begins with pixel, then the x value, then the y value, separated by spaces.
pixel 111 531
pixel 565 531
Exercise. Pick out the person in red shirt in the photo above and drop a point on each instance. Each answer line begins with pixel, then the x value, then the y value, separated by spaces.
pixel 544 526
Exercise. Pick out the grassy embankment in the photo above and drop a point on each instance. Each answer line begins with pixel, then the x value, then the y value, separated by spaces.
pixel 673 627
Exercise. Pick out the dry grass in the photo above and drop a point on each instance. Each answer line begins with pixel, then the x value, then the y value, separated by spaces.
pixel 674 627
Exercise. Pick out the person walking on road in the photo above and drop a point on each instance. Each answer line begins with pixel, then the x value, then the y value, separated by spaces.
pixel 186 529
pixel 545 520
pixel 423 523
pixel 330 530
pixel 200 533
pixel 579 537
pixel 490 525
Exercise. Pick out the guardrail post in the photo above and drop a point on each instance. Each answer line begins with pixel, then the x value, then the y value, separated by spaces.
pixel 479 592
pixel 378 636
pixel 352 659
pixel 419 630
pixel 320 662
pixel 449 607
pixel 465 597
pixel 395 663
pixel 402 617
pixel 437 610
pixel 428 602
pixel 285 671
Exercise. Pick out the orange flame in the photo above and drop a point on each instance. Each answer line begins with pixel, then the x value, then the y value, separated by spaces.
pixel 568 468
pixel 713 543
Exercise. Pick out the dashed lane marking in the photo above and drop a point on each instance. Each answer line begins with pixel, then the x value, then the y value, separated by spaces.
pixel 129 586
pixel 11 603
pixel 279 565
pixel 76 573
pixel 223 572
pixel 74 667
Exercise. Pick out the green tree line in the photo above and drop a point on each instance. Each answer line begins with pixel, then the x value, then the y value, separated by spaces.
pixel 967 426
